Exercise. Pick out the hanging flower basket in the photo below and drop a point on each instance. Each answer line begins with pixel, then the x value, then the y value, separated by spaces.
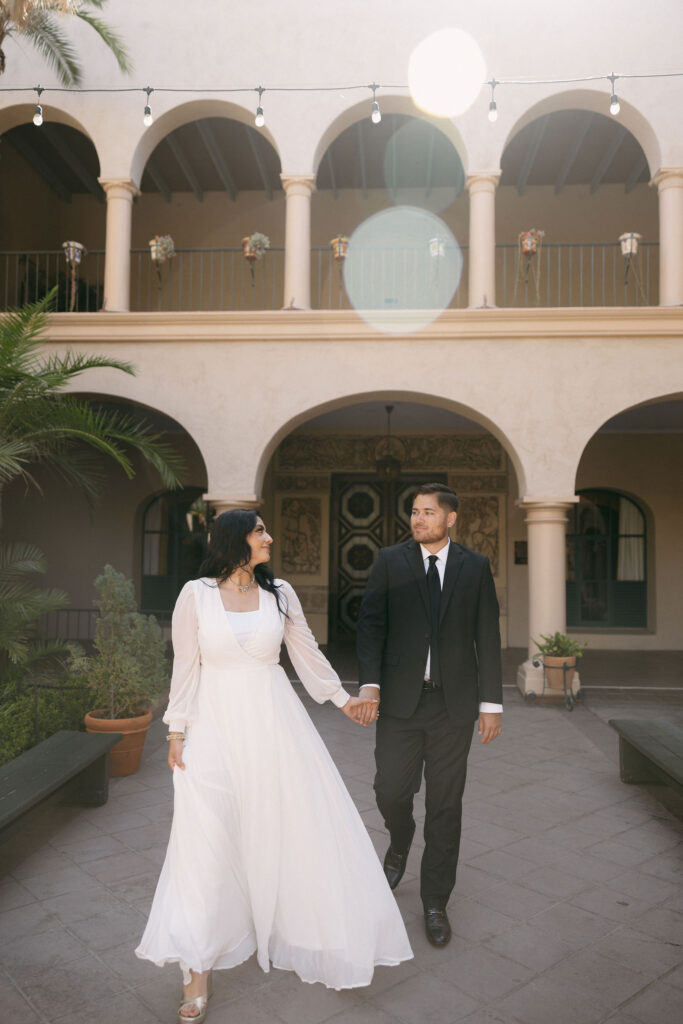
pixel 629 243
pixel 529 241
pixel 254 246
pixel 161 248
pixel 339 245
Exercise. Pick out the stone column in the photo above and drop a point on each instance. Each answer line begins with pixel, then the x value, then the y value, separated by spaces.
pixel 482 252
pixel 120 194
pixel 224 502
pixel 298 191
pixel 546 521
pixel 669 182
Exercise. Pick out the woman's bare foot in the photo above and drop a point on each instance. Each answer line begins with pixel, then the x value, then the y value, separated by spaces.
pixel 198 987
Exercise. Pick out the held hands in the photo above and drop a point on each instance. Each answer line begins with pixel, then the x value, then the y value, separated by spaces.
pixel 489 726
pixel 363 711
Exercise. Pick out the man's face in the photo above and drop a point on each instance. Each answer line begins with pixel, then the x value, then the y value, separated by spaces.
pixel 429 522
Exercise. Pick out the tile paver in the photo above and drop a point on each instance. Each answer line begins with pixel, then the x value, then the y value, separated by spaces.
pixel 568 905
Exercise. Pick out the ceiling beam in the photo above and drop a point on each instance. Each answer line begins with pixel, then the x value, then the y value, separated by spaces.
pixel 35 160
pixel 572 152
pixel 607 157
pixel 54 136
pixel 185 166
pixel 430 163
pixel 260 162
pixel 634 174
pixel 361 159
pixel 222 169
pixel 531 154
pixel 333 179
pixel 158 179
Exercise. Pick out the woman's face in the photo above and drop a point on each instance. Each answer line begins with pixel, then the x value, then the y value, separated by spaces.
pixel 259 540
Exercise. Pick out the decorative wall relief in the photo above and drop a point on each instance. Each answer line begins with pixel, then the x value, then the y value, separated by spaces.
pixel 302 482
pixel 478 526
pixel 349 452
pixel 478 482
pixel 301 520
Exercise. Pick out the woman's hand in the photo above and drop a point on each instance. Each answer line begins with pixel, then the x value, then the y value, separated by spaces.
pixel 175 754
pixel 362 711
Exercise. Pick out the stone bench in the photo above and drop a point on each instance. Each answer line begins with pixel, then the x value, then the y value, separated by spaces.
pixel 69 764
pixel 650 751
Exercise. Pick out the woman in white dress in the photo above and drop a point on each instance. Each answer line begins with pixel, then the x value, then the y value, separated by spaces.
pixel 267 853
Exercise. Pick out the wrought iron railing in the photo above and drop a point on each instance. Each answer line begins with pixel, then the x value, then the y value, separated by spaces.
pixel 78 624
pixel 558 274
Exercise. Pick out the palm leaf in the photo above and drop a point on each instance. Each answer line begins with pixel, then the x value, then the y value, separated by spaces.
pixel 110 38
pixel 41 29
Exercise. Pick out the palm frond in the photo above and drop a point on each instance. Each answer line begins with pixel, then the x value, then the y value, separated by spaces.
pixel 50 41
pixel 19 558
pixel 108 37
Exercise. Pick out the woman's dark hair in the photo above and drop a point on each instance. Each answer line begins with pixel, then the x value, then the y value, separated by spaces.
pixel 229 550
pixel 444 495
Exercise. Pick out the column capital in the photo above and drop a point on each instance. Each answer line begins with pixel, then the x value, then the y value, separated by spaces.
pixel 226 502
pixel 546 510
pixel 120 188
pixel 483 181
pixel 298 184
pixel 667 177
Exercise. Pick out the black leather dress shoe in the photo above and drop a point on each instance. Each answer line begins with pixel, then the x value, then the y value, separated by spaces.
pixel 437 926
pixel 394 866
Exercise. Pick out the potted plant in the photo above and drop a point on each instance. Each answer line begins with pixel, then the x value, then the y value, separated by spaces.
pixel 126 674
pixel 559 650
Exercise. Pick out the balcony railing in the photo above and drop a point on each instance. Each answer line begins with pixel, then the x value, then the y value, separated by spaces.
pixel 560 274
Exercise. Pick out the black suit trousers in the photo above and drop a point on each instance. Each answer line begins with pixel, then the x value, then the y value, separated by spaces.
pixel 429 739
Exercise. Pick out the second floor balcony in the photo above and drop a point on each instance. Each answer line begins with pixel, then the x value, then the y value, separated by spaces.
pixel 559 274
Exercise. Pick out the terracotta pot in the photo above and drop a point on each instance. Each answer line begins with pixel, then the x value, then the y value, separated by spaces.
pixel 124 756
pixel 554 673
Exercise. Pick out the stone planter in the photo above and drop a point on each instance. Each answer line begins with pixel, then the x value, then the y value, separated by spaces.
pixel 124 757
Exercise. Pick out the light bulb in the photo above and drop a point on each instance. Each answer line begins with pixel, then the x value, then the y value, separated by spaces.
pixel 260 119
pixel 376 115
pixel 614 105
pixel 38 115
pixel 493 111
pixel 147 118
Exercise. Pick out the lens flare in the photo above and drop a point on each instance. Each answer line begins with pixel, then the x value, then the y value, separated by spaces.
pixel 402 269
pixel 446 72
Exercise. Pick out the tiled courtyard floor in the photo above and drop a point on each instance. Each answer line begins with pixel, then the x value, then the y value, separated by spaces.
pixel 568 907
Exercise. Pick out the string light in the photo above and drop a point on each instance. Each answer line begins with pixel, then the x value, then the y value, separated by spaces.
pixel 614 105
pixel 38 112
pixel 493 109
pixel 376 115
pixel 147 118
pixel 260 119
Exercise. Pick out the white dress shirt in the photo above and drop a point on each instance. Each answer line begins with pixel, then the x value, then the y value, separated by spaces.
pixel 441 558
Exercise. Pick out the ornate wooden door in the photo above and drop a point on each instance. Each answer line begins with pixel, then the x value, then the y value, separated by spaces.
pixel 367 514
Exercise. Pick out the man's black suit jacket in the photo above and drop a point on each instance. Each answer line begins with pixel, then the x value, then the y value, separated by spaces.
pixel 394 631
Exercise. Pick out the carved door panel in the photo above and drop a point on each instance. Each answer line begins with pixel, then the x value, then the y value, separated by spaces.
pixel 367 514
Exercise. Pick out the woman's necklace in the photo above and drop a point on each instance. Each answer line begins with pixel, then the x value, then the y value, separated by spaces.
pixel 239 586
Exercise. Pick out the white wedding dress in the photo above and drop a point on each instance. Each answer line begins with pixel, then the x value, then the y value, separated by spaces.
pixel 267 853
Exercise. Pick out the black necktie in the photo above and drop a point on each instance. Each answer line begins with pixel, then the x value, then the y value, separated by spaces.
pixel 434 588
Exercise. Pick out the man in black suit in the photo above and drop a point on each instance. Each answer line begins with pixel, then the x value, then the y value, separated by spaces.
pixel 429 649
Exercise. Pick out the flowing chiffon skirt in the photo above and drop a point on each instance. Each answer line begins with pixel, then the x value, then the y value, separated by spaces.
pixel 268 853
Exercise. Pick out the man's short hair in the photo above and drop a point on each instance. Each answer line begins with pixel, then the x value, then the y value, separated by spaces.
pixel 444 495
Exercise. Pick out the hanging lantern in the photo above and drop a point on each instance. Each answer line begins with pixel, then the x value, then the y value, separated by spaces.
pixel 388 453
pixel 339 245
pixel 437 248
pixel 629 243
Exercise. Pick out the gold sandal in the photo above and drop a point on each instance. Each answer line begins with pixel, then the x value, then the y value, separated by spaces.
pixel 201 1003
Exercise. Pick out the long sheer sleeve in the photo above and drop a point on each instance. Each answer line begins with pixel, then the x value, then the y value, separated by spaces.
pixel 186 661
pixel 312 667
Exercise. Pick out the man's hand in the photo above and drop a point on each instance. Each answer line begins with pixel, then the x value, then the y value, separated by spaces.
pixel 490 725
pixel 362 711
